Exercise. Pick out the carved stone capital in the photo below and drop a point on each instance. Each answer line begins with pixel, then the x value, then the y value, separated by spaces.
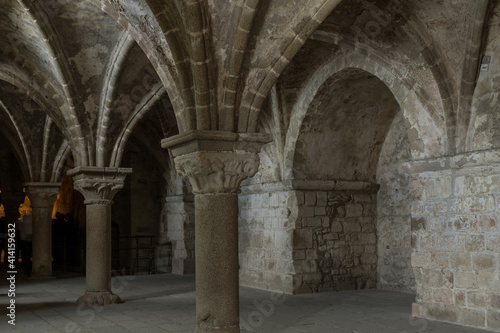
pixel 42 194
pixel 216 161
pixel 217 172
pixel 98 185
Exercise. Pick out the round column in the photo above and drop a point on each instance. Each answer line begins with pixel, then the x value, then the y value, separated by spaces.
pixel 42 197
pixel 216 178
pixel 216 162
pixel 98 186
pixel 98 261
pixel 216 256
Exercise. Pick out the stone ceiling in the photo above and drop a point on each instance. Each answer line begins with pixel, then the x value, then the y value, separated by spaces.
pixel 84 74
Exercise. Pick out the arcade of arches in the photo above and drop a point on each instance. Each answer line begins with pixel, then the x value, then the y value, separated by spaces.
pixel 295 146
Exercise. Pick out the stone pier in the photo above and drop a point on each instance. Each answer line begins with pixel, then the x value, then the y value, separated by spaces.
pixel 42 197
pixel 98 186
pixel 216 163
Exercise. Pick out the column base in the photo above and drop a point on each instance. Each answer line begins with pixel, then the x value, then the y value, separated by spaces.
pixel 225 329
pixel 92 298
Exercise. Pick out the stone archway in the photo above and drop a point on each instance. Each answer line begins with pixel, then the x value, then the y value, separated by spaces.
pixel 425 124
pixel 334 171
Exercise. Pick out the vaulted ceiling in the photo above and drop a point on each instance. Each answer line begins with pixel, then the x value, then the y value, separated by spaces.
pixel 79 76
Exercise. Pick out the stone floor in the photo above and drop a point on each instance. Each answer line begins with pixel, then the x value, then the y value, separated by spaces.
pixel 166 303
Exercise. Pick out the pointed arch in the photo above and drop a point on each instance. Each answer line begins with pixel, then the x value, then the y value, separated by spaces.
pixel 67 83
pixel 19 144
pixel 161 56
pixel 253 99
pixel 115 67
pixel 142 108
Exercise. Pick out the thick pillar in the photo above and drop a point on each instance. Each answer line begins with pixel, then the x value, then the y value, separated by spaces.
pixel 42 196
pixel 98 186
pixel 216 163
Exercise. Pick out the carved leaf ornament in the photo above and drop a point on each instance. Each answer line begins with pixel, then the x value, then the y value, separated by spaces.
pixel 217 172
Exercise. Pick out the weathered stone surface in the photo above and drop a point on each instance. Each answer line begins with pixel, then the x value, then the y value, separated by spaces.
pixel 341 251
pixel 384 165
pixel 493 319
pixel 465 245
pixel 265 248
pixel 444 312
pixel 98 186
pixel 466 280
pixel 479 300
pixel 179 229
pixel 42 196
pixel 474 318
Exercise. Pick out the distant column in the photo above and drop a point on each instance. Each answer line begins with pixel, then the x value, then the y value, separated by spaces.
pixel 98 186
pixel 42 197
pixel 11 202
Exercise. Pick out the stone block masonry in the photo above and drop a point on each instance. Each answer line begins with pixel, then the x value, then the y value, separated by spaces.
pixel 265 240
pixel 456 235
pixel 178 228
pixel 308 241
pixel 394 201
pixel 334 243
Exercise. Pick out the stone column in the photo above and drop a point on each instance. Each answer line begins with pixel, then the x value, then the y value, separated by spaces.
pixel 216 163
pixel 42 196
pixel 11 202
pixel 98 186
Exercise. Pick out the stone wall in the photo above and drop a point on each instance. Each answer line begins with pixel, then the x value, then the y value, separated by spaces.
pixel 177 227
pixel 393 211
pixel 265 238
pixel 485 113
pixel 335 241
pixel 145 190
pixel 137 208
pixel 298 241
pixel 456 238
